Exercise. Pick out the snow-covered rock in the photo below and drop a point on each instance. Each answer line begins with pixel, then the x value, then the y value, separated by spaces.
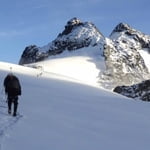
pixel 76 35
pixel 141 90
pixel 122 51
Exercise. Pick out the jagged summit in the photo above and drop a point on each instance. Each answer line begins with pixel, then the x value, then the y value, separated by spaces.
pixel 123 53
pixel 74 22
pixel 125 31
pixel 76 35
pixel 122 27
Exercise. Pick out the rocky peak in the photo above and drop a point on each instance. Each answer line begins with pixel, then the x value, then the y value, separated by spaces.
pixel 125 32
pixel 122 51
pixel 122 27
pixel 76 35
pixel 74 22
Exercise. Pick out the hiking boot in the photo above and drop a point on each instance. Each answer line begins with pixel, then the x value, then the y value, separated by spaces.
pixel 9 111
pixel 14 114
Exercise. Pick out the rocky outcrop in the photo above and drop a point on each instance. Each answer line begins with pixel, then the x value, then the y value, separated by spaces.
pixel 124 63
pixel 140 91
pixel 32 54
pixel 142 40
pixel 76 35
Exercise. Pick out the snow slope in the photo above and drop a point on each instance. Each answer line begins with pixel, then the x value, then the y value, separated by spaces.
pixel 146 57
pixel 83 65
pixel 62 113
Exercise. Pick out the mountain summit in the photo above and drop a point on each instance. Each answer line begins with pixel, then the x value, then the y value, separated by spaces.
pixel 125 52
pixel 76 35
pixel 124 55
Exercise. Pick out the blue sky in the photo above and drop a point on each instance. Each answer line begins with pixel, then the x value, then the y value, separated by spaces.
pixel 26 22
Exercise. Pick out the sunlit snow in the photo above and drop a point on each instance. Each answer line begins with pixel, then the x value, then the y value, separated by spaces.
pixel 63 108
pixel 146 57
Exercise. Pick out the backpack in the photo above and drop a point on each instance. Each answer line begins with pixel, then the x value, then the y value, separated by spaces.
pixel 13 87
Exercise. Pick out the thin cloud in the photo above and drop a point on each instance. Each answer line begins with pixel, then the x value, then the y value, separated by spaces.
pixel 14 33
pixel 40 6
pixel 9 33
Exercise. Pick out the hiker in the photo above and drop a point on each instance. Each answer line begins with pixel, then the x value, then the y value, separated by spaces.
pixel 12 90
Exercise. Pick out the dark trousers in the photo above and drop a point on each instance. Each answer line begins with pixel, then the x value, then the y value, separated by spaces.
pixel 14 100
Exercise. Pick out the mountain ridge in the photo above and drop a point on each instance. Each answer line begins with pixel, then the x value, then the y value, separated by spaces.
pixel 123 55
pixel 123 51
pixel 76 35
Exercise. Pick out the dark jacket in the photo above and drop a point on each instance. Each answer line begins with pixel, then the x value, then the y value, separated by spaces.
pixel 12 85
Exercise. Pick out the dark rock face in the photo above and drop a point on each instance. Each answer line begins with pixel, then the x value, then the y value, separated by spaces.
pixel 32 54
pixel 76 35
pixel 141 90
pixel 70 25
pixel 121 27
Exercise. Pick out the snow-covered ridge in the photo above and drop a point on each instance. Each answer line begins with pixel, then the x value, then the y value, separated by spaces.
pixel 76 35
pixel 123 31
pixel 125 53
pixel 129 39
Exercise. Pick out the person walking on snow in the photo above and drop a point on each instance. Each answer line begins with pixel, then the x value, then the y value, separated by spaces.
pixel 13 90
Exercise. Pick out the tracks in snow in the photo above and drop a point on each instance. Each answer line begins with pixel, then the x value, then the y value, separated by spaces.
pixel 6 122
